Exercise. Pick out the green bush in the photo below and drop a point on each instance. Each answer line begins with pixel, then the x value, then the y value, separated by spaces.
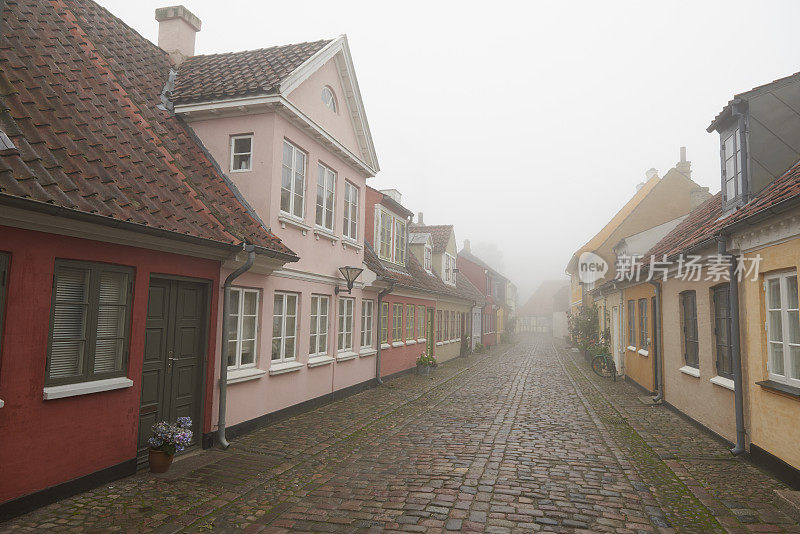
pixel 426 361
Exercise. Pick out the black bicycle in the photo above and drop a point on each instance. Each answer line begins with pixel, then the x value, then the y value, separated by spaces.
pixel 603 365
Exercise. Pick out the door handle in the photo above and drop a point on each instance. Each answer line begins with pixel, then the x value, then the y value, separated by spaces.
pixel 170 359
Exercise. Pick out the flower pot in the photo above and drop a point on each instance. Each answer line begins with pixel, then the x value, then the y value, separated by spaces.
pixel 423 370
pixel 159 461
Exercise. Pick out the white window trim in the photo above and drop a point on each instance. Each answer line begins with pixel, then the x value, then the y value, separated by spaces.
pixel 345 355
pixel 290 214
pixel 346 222
pixel 783 285
pixel 316 361
pixel 325 170
pixel 239 328
pixel 342 323
pixel 644 352
pixel 364 322
pixel 394 219
pixel 233 141
pixel 244 375
pixel 86 388
pixel 334 105
pixel 367 351
pixel 691 371
pixel 410 340
pixel 726 383
pixel 324 352
pixel 285 367
pixel 278 364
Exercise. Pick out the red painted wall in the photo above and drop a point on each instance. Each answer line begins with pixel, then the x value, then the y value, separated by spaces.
pixel 477 275
pixel 396 359
pixel 50 442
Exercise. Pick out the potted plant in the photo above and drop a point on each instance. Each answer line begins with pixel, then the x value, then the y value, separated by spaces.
pixel 425 363
pixel 168 438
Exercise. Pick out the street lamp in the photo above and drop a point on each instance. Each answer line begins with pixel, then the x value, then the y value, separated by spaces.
pixel 350 274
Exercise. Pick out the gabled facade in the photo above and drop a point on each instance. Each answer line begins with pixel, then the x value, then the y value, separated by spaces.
pixel 491 284
pixel 288 126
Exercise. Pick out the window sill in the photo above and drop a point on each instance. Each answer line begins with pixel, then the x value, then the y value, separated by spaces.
pixel 721 381
pixel 421 340
pixel 447 342
pixel 327 234
pixel 779 387
pixel 243 375
pixel 439 343
pixel 345 355
pixel 643 352
pixel 291 221
pixel 631 348
pixel 411 341
pixel 352 243
pixel 86 388
pixel 397 343
pixel 368 351
pixel 285 367
pixel 691 371
pixel 316 361
pixel 385 346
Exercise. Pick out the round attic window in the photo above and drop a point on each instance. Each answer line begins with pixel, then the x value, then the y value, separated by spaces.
pixel 328 98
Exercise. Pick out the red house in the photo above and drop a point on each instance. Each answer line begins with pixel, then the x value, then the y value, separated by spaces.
pixel 487 281
pixel 114 222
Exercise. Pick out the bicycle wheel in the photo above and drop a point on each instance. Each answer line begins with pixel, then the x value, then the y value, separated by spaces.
pixel 600 366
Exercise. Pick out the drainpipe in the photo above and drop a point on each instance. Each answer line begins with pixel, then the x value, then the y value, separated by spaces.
pixel 223 361
pixel 654 345
pixel 736 354
pixel 380 319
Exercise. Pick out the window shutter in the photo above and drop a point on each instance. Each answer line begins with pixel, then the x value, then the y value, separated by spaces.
pixel 111 315
pixel 69 322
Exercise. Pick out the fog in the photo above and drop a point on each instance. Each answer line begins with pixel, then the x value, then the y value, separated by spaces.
pixel 526 126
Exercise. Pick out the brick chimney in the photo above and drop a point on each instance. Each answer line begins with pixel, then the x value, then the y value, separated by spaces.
pixel 419 219
pixel 466 245
pixel 684 167
pixel 177 29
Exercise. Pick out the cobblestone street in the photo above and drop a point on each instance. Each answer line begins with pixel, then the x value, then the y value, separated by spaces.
pixel 523 438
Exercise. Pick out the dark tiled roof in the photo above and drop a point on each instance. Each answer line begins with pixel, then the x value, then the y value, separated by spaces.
pixel 414 276
pixel 440 235
pixel 476 260
pixel 706 221
pixel 238 74
pixel 726 111
pixel 80 95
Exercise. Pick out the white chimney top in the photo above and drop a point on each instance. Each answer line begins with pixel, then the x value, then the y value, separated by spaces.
pixel 419 219
pixel 177 29
pixel 394 194
pixel 466 245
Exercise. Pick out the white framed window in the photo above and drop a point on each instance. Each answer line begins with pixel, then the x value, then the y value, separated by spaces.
pixel 783 328
pixel 318 337
pixel 350 223
pixel 241 153
pixel 345 332
pixel 243 328
pixel 293 180
pixel 367 311
pixel 329 99
pixel 326 193
pixel 397 322
pixel 421 321
pixel 732 164
pixel 284 327
pixel 410 321
pixel 390 235
pixel 428 258
pixel 448 269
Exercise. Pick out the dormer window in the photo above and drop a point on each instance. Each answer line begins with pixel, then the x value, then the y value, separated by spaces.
pixel 449 269
pixel 428 258
pixel 328 98
pixel 732 165
pixel 241 153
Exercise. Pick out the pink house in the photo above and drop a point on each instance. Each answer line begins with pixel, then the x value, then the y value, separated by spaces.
pixel 287 126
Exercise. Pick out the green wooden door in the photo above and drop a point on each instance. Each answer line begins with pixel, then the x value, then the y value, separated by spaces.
pixel 174 349
pixel 429 341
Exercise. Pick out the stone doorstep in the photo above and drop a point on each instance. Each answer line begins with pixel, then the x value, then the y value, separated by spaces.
pixel 789 503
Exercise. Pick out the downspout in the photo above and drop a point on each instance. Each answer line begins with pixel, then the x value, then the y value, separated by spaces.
pixel 656 340
pixel 736 354
pixel 223 361
pixel 380 329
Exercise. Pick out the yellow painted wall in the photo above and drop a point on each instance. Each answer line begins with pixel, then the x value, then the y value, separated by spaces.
pixel 448 351
pixel 637 366
pixel 773 418
pixel 699 398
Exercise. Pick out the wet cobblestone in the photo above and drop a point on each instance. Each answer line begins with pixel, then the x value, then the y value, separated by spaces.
pixel 522 439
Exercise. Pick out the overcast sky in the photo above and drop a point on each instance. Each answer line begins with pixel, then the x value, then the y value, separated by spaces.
pixel 527 128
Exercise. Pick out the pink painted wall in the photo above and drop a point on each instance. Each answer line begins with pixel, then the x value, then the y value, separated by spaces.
pixel 308 97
